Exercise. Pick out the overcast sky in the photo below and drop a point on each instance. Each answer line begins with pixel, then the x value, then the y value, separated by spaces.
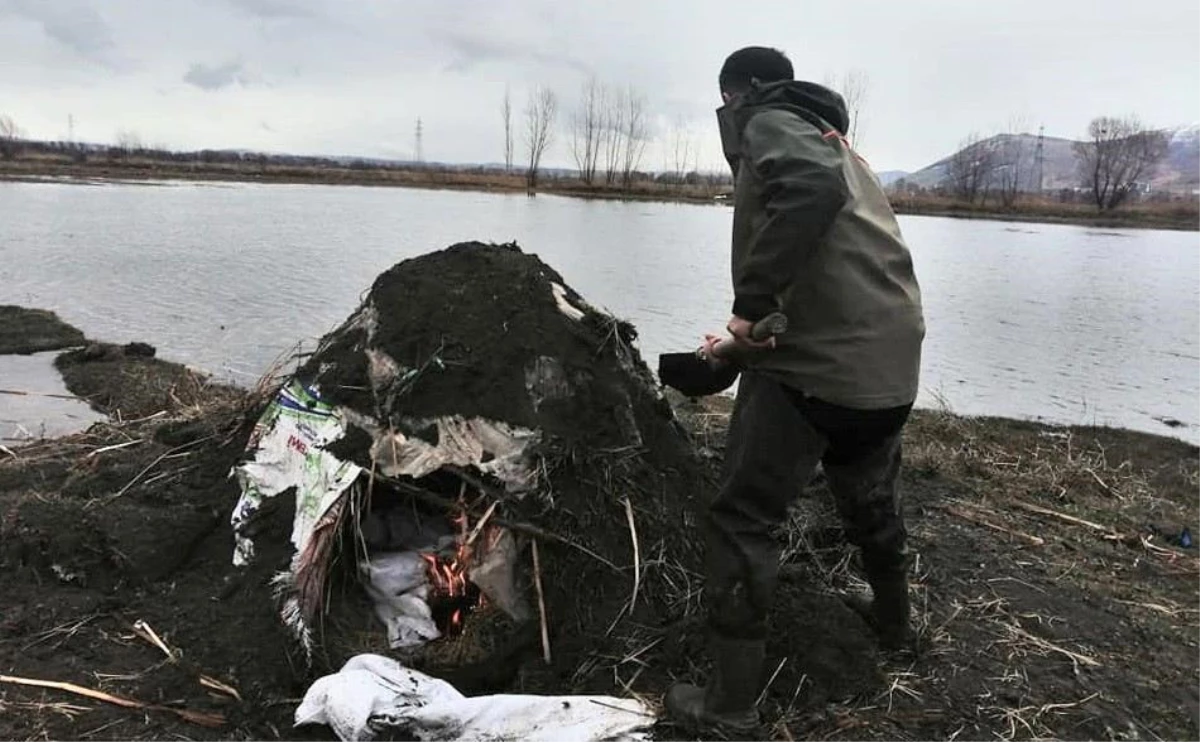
pixel 352 76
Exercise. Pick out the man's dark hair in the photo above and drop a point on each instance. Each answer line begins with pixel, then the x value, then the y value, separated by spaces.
pixel 754 63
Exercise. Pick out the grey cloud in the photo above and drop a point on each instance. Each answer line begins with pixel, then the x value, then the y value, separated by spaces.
pixel 75 25
pixel 273 9
pixel 215 77
pixel 473 50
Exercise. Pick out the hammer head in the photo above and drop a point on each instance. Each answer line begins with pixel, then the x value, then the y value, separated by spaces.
pixel 692 376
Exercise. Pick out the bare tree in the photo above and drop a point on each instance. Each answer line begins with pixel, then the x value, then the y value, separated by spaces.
pixel 1012 158
pixel 635 134
pixel 539 129
pixel 853 86
pixel 614 136
pixel 128 141
pixel 10 137
pixel 1118 153
pixel 587 129
pixel 679 152
pixel 971 168
pixel 506 112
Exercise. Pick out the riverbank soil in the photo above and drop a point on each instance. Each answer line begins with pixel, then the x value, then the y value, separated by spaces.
pixel 25 331
pixel 1051 594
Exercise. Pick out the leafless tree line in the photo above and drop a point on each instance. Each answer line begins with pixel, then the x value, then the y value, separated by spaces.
pixel 608 133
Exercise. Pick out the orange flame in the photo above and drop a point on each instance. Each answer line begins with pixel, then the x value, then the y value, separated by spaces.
pixel 448 576
pixel 448 579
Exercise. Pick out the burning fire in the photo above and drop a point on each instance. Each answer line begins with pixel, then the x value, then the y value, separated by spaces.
pixel 448 580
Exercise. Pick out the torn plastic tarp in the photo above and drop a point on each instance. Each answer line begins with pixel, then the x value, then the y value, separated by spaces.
pixel 372 694
pixel 288 444
pixel 490 447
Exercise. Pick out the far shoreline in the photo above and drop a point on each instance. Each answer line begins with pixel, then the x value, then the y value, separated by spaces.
pixel 433 179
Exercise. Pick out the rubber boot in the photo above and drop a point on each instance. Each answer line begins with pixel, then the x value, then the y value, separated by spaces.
pixel 727 703
pixel 888 613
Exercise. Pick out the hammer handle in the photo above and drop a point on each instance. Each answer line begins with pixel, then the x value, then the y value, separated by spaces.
pixel 773 324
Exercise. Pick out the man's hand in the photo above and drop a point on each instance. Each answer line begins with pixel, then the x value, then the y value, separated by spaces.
pixel 740 330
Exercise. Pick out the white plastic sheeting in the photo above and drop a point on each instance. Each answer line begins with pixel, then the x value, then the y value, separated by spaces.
pixel 398 583
pixel 371 694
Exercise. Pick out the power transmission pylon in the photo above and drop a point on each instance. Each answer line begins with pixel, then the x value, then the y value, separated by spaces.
pixel 419 156
pixel 1039 157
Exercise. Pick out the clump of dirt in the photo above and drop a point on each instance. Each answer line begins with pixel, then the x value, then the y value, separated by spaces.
pixel 128 382
pixel 25 331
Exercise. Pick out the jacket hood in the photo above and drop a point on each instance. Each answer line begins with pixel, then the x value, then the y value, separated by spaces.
pixel 814 103
pixel 808 96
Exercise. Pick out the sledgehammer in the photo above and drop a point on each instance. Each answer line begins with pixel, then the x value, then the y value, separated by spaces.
pixel 698 374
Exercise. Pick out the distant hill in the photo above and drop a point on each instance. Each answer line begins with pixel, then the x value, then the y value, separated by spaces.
pixel 1058 170
pixel 1179 171
pixel 887 177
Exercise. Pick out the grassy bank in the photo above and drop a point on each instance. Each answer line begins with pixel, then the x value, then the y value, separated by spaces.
pixel 137 168
pixel 1182 215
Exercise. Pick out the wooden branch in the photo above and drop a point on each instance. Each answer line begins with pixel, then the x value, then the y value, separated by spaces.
pixel 432 498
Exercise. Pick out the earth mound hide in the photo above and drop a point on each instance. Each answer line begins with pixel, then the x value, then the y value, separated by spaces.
pixel 483 470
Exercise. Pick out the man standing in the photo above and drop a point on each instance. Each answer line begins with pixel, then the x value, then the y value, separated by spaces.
pixel 815 238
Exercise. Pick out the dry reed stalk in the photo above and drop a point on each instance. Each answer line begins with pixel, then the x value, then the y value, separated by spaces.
pixel 195 717
pixel 637 560
pixel 537 584
pixel 974 518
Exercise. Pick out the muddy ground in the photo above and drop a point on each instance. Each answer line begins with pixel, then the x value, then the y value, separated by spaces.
pixel 26 331
pixel 1052 596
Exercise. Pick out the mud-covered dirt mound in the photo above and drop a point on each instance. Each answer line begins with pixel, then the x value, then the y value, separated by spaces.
pixel 488 333
pixel 25 331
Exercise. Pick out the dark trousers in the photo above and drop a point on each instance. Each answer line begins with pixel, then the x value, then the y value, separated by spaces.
pixel 776 437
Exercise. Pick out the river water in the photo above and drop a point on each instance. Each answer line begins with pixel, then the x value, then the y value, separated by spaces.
pixel 1061 323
